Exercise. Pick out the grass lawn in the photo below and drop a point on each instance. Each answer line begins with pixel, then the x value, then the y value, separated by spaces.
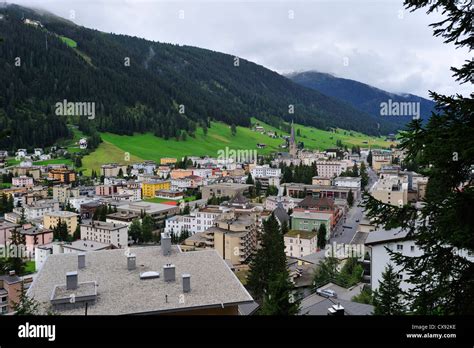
pixel 70 42
pixel 5 185
pixel 158 200
pixel 149 147
pixel 106 153
pixel 54 161
pixel 30 267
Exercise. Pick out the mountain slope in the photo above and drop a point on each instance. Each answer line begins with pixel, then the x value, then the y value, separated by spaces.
pixel 361 96
pixel 164 90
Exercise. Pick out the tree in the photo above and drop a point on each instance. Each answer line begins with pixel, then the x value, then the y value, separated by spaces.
pixel 249 180
pixel 233 129
pixel 60 231
pixel 135 230
pixel 326 272
pixel 25 304
pixel 322 236
pixel 369 158
pixel 269 261
pixel 365 296
pixel 120 173
pixel 355 170
pixel 442 278
pixel 186 210
pixel 22 220
pixel 77 233
pixel 279 300
pixel 388 298
pixel 258 188
pixel 148 225
pixel 350 198
pixel 363 175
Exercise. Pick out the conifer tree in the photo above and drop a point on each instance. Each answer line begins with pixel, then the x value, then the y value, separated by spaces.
pixel 388 298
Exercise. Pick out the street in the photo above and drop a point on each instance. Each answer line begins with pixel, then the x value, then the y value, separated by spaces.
pixel 347 226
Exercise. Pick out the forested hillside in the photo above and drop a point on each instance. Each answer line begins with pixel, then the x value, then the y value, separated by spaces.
pixel 146 94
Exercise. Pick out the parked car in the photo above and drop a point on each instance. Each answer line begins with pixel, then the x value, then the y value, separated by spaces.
pixel 327 293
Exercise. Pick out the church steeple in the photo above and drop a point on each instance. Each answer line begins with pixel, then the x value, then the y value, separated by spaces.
pixel 292 141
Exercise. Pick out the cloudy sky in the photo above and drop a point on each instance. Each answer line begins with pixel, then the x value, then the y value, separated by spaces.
pixel 372 41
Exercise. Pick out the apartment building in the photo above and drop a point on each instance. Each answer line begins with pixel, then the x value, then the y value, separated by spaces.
pixel 287 202
pixel 52 219
pixel 265 171
pixel 223 190
pixel 331 169
pixel 34 237
pixel 300 243
pixel 309 221
pixel 321 180
pixel 22 181
pixel 391 190
pixel 63 193
pixel 113 169
pixel 150 187
pixel 37 209
pixel 235 237
pixel 63 175
pixel 105 232
pixel 198 221
pixel 10 290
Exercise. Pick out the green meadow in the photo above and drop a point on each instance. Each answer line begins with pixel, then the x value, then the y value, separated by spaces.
pixel 149 147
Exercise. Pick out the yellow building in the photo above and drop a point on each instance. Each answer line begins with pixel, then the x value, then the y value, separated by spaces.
pixel 168 160
pixel 51 220
pixel 150 187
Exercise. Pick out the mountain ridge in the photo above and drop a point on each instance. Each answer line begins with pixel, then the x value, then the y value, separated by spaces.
pixel 175 90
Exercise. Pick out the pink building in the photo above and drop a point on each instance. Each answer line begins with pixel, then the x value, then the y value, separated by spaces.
pixel 22 181
pixel 5 231
pixel 35 236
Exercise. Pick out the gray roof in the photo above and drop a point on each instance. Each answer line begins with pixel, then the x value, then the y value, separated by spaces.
pixel 281 214
pixel 318 305
pixel 120 291
pixel 86 245
pixel 383 236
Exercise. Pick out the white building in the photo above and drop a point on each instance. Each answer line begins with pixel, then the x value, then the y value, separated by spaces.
pixel 288 202
pixel 106 232
pixel 300 243
pixel 76 202
pixel 22 181
pixel 135 193
pixel 38 209
pixel 331 169
pixel 347 181
pixel 198 221
pixel 265 171
pixel 395 240
pixel 203 172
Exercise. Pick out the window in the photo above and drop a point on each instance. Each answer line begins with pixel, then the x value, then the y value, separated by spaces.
pixel 400 276
pixel 399 247
pixel 412 248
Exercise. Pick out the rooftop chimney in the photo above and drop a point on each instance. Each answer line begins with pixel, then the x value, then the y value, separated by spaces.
pixel 186 282
pixel 81 260
pixel 166 244
pixel 169 273
pixel 12 273
pixel 71 280
pixel 336 310
pixel 131 262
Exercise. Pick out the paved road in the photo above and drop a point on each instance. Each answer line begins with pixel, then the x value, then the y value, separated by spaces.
pixel 343 234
